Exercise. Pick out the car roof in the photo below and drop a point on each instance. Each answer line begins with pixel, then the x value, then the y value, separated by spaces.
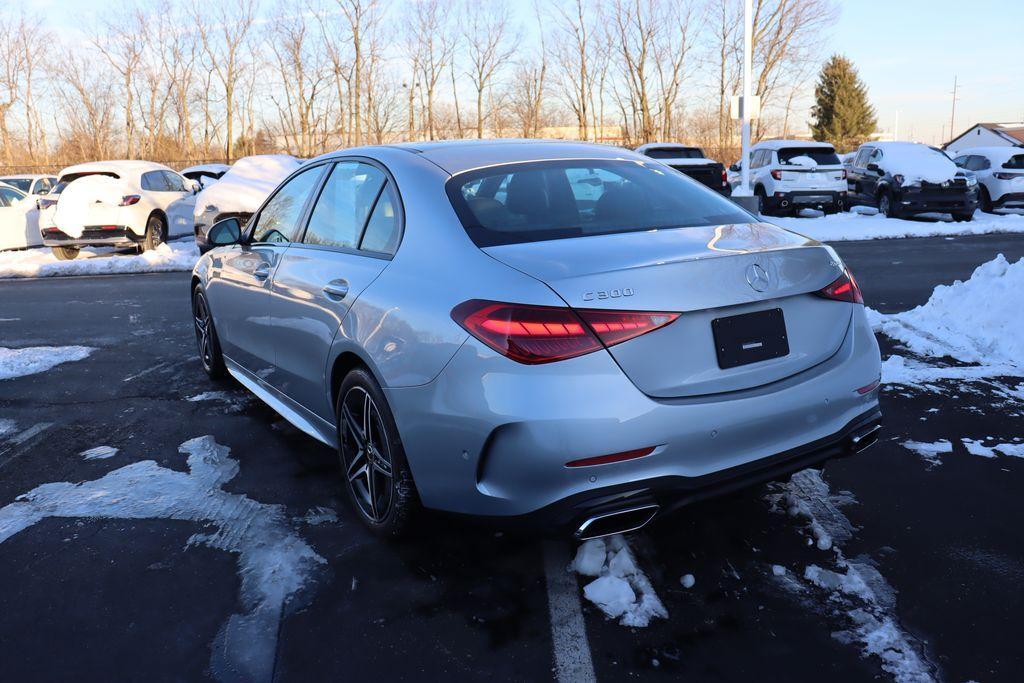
pixel 26 176
pixel 115 166
pixel 458 156
pixel 786 144
pixel 664 145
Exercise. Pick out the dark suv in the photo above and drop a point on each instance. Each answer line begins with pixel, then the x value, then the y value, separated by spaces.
pixel 908 178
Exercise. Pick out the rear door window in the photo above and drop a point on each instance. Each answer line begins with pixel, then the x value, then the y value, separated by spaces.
pixel 154 181
pixel 547 200
pixel 8 197
pixel 344 205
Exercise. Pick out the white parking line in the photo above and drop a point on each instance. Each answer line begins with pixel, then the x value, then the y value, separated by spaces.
pixel 573 663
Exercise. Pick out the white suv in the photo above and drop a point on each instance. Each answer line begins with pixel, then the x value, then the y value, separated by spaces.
pixel 116 203
pixel 1000 174
pixel 789 175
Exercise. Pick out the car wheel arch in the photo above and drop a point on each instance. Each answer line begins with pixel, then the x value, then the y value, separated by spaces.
pixel 343 363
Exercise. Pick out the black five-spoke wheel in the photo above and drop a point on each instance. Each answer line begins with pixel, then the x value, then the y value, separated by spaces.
pixel 206 336
pixel 367 455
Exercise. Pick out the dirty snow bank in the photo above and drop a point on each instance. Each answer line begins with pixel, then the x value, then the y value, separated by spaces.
pixel 621 589
pixel 171 256
pixel 274 563
pixel 33 359
pixel 860 226
pixel 977 321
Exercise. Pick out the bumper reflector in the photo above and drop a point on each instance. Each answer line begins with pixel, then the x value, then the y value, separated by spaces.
pixel 870 387
pixel 614 457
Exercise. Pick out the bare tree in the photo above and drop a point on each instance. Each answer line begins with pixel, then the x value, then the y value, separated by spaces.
pixel 489 45
pixel 12 65
pixel 428 27
pixel 574 29
pixel 121 41
pixel 86 108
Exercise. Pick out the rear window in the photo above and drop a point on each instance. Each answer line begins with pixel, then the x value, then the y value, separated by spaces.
pixel 674 153
pixel 550 200
pixel 1015 162
pixel 822 157
pixel 22 184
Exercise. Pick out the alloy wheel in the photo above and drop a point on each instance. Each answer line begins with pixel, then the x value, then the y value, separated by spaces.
pixel 366 455
pixel 201 313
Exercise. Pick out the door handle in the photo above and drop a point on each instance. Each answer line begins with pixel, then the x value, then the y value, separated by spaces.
pixel 262 271
pixel 336 289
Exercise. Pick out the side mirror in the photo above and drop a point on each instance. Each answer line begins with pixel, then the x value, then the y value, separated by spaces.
pixel 225 232
pixel 874 167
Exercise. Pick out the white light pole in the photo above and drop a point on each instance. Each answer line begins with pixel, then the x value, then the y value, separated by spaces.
pixel 748 37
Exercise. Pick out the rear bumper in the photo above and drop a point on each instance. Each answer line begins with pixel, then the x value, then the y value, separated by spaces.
pixel 806 199
pixel 490 437
pixel 927 202
pixel 92 236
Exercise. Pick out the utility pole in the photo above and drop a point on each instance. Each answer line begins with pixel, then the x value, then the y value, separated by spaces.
pixel 952 114
pixel 748 39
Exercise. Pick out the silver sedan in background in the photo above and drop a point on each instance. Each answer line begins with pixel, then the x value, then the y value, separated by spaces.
pixel 560 332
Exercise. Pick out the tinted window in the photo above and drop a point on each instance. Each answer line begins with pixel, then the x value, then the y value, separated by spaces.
pixel 44 185
pixel 960 161
pixel 154 181
pixel 540 201
pixel 382 231
pixel 821 156
pixel 8 196
pixel 674 153
pixel 174 182
pixel 344 205
pixel 862 157
pixel 1015 162
pixel 22 184
pixel 278 221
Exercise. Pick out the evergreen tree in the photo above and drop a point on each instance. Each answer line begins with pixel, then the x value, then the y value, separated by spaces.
pixel 841 114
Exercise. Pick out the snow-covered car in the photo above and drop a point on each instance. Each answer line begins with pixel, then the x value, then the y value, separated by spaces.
pixel 690 161
pixel 789 175
pixel 1000 175
pixel 909 178
pixel 116 203
pixel 30 183
pixel 205 174
pixel 240 191
pixel 19 219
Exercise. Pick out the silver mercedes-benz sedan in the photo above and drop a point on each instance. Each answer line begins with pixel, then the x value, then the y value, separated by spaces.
pixel 551 331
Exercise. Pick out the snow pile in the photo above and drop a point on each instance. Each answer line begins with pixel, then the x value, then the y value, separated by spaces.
pixel 33 359
pixel 930 451
pixel 81 195
pixel 246 185
pixel 803 160
pixel 908 372
pixel 865 223
pixel 917 162
pixel 806 495
pixel 171 256
pixel 274 563
pixel 978 447
pixel 977 321
pixel 621 589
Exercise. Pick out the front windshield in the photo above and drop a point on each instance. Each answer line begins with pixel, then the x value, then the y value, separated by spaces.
pixel 548 200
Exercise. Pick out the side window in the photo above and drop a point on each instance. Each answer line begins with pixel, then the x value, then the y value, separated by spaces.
pixel 344 205
pixel 174 182
pixel 876 156
pixel 978 163
pixel 278 221
pixel 862 157
pixel 43 186
pixel 382 231
pixel 154 181
pixel 755 159
pixel 961 161
pixel 8 197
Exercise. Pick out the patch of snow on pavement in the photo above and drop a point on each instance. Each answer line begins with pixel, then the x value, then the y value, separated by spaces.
pixel 99 453
pixel 855 590
pixel 7 427
pixel 912 373
pixel 170 256
pixel 320 515
pixel 621 590
pixel 274 563
pixel 857 226
pixel 930 451
pixel 34 359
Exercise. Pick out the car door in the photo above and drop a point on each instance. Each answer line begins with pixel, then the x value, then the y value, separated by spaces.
pixel 353 231
pixel 179 203
pixel 855 174
pixel 238 288
pixel 12 219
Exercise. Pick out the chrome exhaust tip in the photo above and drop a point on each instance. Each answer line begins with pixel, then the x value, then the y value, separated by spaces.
pixel 618 522
pixel 865 440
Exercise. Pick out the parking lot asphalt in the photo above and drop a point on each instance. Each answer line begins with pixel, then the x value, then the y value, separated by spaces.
pixel 137 594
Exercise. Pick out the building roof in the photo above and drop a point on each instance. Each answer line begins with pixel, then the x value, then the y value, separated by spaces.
pixel 1013 133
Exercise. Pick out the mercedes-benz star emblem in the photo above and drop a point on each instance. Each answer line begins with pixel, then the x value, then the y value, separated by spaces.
pixel 757 277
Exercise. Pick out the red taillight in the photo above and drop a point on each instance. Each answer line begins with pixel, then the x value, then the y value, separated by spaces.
pixel 777 175
pixel 543 334
pixel 725 178
pixel 614 457
pixel 129 200
pixel 845 288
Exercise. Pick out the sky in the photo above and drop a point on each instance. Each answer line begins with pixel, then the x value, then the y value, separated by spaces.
pixel 907 52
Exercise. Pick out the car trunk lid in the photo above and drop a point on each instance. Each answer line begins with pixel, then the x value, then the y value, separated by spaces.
pixel 705 273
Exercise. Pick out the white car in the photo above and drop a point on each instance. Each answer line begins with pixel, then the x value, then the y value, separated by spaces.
pixel 116 203
pixel 205 174
pixel 1000 174
pixel 240 191
pixel 789 175
pixel 30 183
pixel 19 219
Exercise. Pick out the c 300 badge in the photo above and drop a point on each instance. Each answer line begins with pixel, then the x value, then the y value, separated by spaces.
pixel 608 294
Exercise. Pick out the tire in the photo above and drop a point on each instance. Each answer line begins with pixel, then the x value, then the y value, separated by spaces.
pixel 762 200
pixel 206 336
pixel 65 253
pixel 985 200
pixel 887 205
pixel 156 234
pixel 380 486
pixel 963 217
